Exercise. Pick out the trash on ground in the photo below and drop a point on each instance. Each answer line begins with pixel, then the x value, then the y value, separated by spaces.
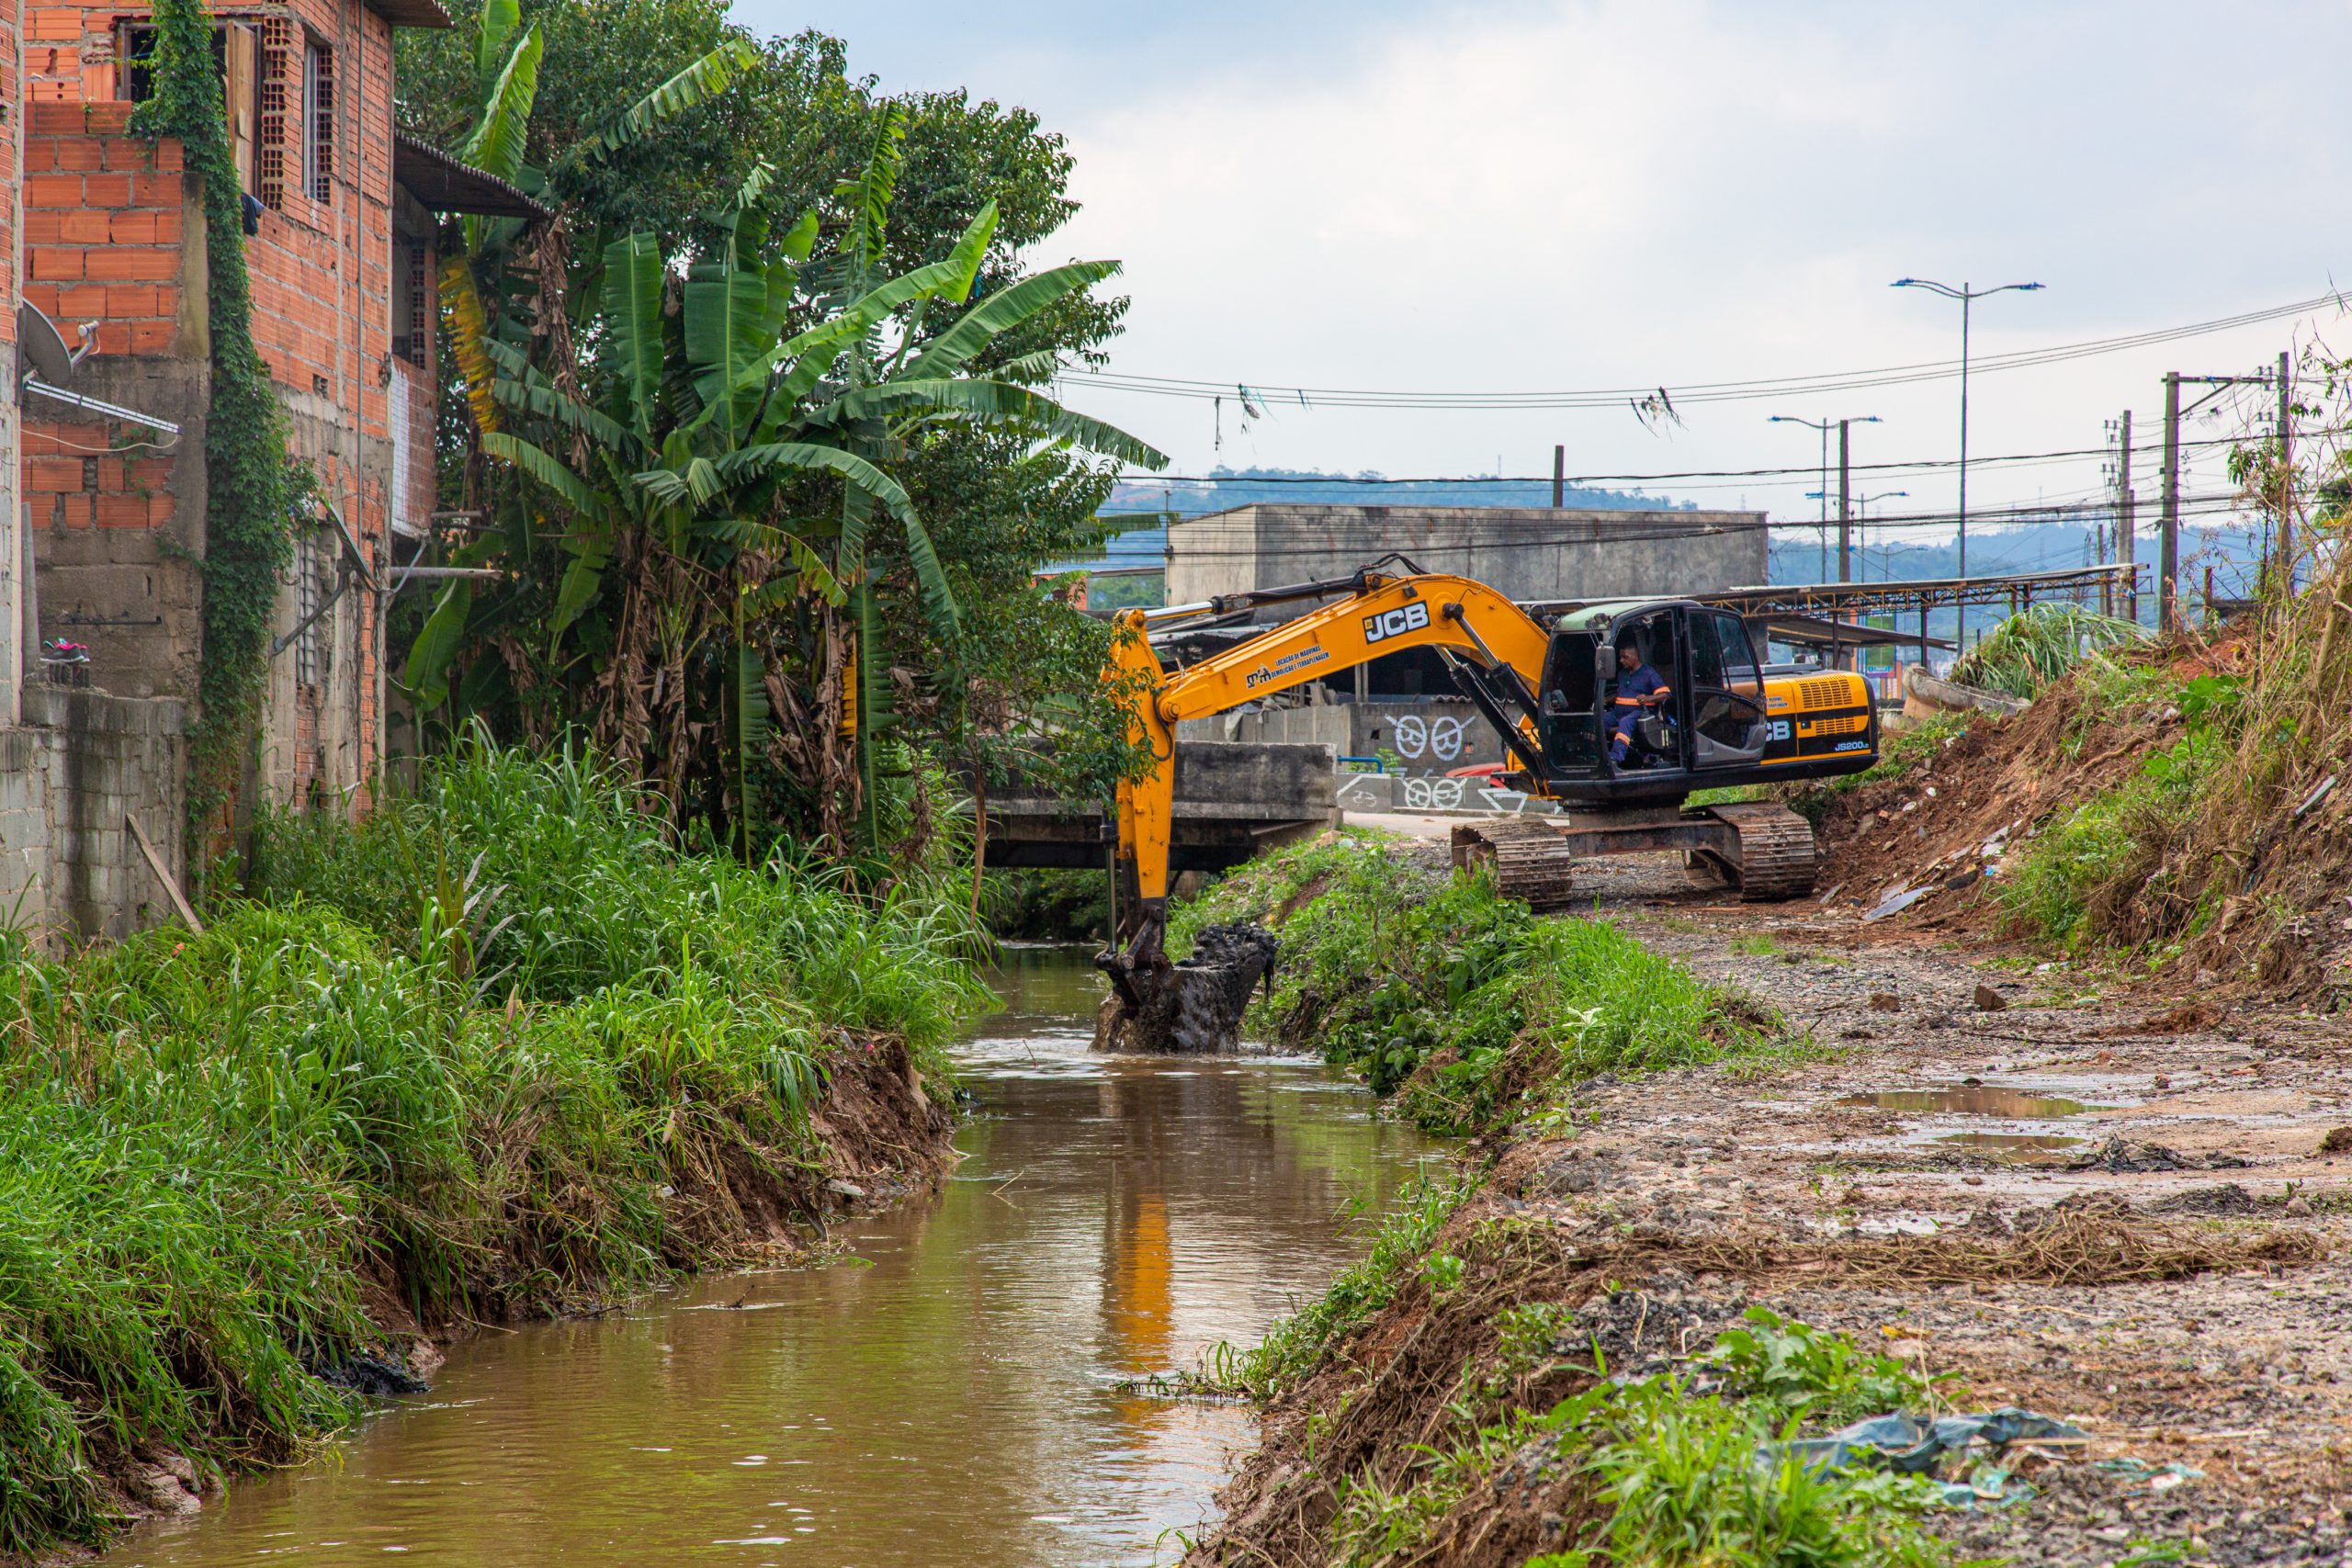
pixel 1955 1451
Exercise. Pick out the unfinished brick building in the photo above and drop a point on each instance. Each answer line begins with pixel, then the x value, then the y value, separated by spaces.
pixel 105 235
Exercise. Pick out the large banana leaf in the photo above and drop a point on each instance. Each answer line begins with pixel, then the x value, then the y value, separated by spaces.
pixel 496 145
pixel 522 387
pixel 849 548
pixel 758 462
pixel 948 353
pixel 726 316
pixel 583 579
pixel 633 317
pixel 970 251
pixel 539 464
pixel 499 20
pixel 694 481
pixel 706 78
pixel 865 242
pixel 437 645
pixel 996 405
pixel 938 595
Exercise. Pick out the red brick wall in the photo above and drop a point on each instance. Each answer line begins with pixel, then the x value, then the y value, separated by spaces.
pixel 103 226
pixel 75 479
pixel 12 114
pixel 103 222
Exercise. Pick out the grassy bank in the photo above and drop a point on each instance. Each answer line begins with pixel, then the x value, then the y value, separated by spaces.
pixel 1445 1403
pixel 1452 997
pixel 503 1049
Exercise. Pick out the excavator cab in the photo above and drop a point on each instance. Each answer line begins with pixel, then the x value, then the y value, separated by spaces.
pixel 1716 717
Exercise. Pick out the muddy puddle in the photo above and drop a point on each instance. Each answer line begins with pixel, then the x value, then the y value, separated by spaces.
pixel 1969 1099
pixel 952 1395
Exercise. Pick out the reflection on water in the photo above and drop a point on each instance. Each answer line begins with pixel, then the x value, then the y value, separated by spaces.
pixel 948 1400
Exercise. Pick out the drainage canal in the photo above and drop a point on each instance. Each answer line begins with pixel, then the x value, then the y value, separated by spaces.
pixel 951 1394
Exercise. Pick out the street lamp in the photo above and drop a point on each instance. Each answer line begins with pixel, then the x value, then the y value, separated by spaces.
pixel 1966 296
pixel 1862 511
pixel 1825 427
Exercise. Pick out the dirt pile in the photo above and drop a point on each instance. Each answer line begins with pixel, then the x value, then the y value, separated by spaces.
pixel 1979 797
pixel 2191 796
pixel 1451 1352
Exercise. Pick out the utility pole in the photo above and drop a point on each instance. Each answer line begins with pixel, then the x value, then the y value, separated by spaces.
pixel 1559 478
pixel 1967 298
pixel 2168 545
pixel 1845 501
pixel 2286 475
pixel 2124 543
pixel 2169 534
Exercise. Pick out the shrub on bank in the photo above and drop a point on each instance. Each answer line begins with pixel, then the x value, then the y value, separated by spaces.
pixel 1452 995
pixel 502 1047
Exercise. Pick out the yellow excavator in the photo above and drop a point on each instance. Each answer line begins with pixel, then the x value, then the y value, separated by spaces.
pixel 1622 768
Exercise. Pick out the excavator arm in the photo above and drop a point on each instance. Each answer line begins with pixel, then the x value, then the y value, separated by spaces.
pixel 1466 621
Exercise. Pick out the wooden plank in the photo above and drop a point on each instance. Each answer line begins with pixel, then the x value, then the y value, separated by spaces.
pixel 162 874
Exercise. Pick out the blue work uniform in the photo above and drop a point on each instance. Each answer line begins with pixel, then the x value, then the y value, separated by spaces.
pixel 1633 687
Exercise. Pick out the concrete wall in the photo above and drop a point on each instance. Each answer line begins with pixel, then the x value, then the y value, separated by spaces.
pixel 80 764
pixel 1525 553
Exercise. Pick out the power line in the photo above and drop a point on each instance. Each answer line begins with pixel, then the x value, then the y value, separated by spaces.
pixel 2216 504
pixel 1272 395
pixel 1921 465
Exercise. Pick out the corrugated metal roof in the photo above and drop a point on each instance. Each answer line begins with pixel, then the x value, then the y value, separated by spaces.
pixel 445 185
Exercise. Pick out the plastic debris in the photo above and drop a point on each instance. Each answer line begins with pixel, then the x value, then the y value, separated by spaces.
pixel 1958 1452
pixel 1896 902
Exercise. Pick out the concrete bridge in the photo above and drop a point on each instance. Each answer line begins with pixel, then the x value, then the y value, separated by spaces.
pixel 1232 800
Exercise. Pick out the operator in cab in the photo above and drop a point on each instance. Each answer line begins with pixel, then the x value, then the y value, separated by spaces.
pixel 1638 689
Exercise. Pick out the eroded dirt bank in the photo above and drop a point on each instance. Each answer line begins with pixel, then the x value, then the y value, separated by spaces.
pixel 2095 1200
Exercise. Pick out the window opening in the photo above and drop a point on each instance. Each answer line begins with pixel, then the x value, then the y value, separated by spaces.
pixel 318 118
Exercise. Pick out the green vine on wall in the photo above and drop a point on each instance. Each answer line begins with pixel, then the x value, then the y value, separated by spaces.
pixel 248 531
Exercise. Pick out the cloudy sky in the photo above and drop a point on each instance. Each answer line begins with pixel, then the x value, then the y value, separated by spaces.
pixel 1521 197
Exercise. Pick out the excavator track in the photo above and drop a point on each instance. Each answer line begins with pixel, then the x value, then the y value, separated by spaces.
pixel 1775 854
pixel 1531 860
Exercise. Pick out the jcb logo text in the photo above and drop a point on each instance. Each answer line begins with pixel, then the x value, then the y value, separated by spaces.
pixel 1406 618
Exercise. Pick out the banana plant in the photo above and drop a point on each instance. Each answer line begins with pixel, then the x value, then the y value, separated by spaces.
pixel 683 466
pixel 497 263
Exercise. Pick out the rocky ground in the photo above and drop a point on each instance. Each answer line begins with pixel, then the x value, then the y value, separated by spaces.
pixel 2074 1188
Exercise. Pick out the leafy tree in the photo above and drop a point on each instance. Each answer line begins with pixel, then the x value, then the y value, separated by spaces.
pixel 728 517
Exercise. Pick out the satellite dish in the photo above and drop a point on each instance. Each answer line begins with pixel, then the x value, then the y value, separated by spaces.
pixel 44 344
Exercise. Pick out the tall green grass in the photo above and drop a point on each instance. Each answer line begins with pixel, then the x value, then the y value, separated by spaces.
pixel 502 1047
pixel 1444 991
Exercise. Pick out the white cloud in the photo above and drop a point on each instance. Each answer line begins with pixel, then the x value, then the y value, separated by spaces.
pixel 1524 196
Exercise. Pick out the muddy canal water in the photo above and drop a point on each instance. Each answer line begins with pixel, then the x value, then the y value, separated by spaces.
pixel 950 1396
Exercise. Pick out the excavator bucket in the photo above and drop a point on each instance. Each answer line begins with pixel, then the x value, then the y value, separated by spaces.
pixel 1194 1007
